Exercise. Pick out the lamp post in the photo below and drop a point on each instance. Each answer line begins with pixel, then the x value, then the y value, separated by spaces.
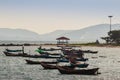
pixel 110 21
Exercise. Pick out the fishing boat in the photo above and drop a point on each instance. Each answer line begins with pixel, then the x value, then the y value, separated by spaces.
pixel 63 70
pixel 41 51
pixel 41 56
pixel 28 55
pixel 67 52
pixel 89 51
pixel 44 49
pixel 14 54
pixel 53 66
pixel 81 59
pixel 9 50
pixel 38 62
pixel 85 65
pixel 51 49
pixel 67 60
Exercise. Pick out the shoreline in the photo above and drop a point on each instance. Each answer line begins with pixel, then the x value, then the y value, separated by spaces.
pixel 70 45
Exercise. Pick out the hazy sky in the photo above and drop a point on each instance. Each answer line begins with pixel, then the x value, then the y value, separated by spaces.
pixel 44 16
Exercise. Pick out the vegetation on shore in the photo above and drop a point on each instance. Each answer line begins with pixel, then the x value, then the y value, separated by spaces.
pixel 74 45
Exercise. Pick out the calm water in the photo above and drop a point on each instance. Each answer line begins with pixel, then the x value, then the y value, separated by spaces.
pixel 14 68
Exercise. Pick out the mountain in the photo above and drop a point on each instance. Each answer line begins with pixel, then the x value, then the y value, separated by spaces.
pixel 18 34
pixel 88 34
pixel 53 35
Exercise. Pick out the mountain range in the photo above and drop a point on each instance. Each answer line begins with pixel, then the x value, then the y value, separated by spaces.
pixel 18 34
pixel 88 34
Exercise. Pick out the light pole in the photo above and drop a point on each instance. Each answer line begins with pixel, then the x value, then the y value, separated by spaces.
pixel 110 21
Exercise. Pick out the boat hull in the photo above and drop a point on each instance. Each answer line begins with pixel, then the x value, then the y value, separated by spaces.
pixel 49 66
pixel 31 56
pixel 38 62
pixel 82 71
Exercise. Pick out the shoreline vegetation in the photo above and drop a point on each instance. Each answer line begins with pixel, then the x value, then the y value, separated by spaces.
pixel 72 45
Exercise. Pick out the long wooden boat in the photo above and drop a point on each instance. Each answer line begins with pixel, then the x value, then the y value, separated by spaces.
pixel 39 62
pixel 89 51
pixel 66 60
pixel 9 50
pixel 51 49
pixel 56 54
pixel 41 56
pixel 49 66
pixel 41 51
pixel 85 65
pixel 14 54
pixel 67 52
pixel 28 55
pixel 81 59
pixel 79 71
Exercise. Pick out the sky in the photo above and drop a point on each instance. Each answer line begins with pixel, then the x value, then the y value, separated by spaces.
pixel 44 16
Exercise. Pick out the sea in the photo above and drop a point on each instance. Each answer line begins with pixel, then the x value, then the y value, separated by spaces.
pixel 15 68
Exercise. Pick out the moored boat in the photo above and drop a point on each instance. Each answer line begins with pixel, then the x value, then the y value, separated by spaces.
pixel 89 51
pixel 9 50
pixel 80 65
pixel 14 54
pixel 38 62
pixel 66 60
pixel 51 66
pixel 41 51
pixel 28 55
pixel 79 71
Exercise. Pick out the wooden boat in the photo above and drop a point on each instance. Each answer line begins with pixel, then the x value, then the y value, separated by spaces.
pixel 63 60
pixel 49 66
pixel 41 56
pixel 93 52
pixel 67 52
pixel 56 54
pixel 89 51
pixel 51 49
pixel 79 71
pixel 66 60
pixel 14 54
pixel 81 59
pixel 28 55
pixel 44 49
pixel 41 51
pixel 85 65
pixel 8 50
pixel 38 62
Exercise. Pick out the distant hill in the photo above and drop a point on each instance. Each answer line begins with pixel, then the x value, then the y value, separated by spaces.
pixel 18 34
pixel 53 35
pixel 88 34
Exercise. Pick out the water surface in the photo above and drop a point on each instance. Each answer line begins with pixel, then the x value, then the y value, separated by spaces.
pixel 15 68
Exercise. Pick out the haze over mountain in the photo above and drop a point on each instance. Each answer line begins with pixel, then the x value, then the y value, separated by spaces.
pixel 89 34
pixel 18 34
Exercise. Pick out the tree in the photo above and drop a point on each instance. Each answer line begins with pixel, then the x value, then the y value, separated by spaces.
pixel 97 42
pixel 107 39
pixel 113 37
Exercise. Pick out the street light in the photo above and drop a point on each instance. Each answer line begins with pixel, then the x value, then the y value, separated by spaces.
pixel 110 21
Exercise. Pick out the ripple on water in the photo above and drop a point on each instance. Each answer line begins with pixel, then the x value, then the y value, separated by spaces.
pixel 15 68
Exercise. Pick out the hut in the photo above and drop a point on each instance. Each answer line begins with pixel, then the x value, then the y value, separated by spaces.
pixel 62 40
